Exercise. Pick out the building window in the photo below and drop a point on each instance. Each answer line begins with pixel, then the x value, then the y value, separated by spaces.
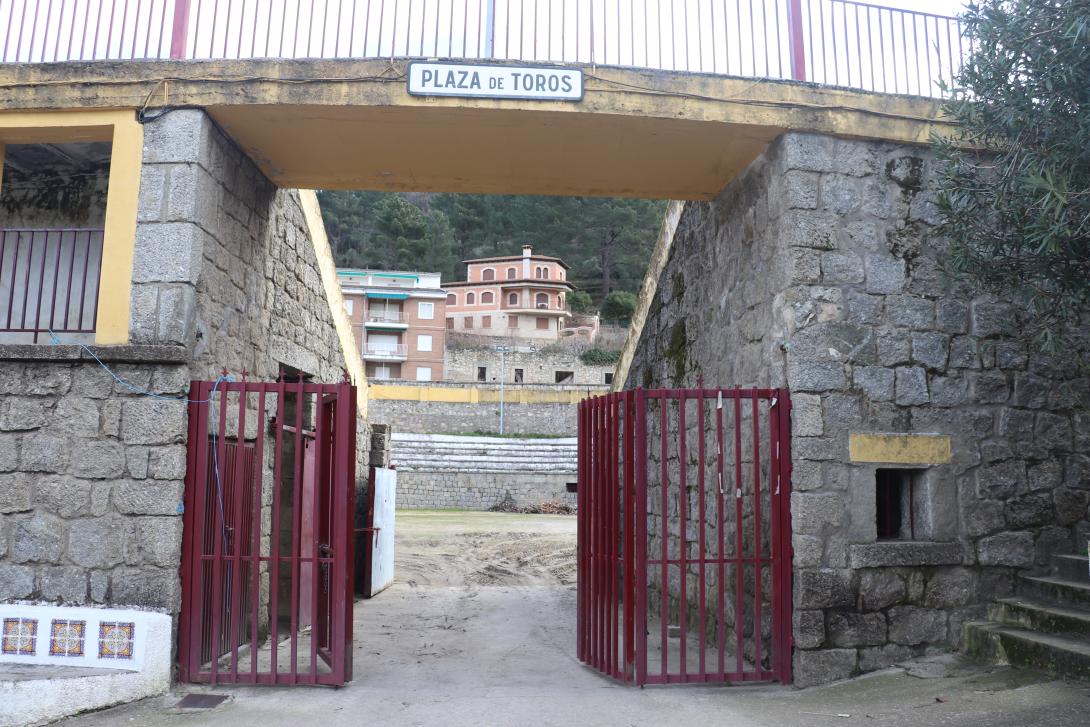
pixel 609 378
pixel 468 321
pixel 486 321
pixel 565 377
pixel 541 300
pixel 450 324
pixel 482 373
pixel 489 274
pixel 423 342
pixel 348 306
pixel 425 311
pixel 542 324
pixel 452 299
pixel 511 273
pixel 512 321
pixel 518 376
pixel 537 272
pixel 545 273
pixel 487 297
pixel 512 299
pixel 423 373
pixel 895 495
pixel 383 373
pixel 471 298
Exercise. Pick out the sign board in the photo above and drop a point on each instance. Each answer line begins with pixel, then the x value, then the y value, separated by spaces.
pixel 540 83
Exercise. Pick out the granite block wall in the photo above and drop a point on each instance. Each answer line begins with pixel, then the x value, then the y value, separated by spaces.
pixel 818 269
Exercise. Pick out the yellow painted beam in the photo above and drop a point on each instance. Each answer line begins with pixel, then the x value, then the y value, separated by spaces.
pixel 312 215
pixel 908 449
pixel 122 198
pixel 351 124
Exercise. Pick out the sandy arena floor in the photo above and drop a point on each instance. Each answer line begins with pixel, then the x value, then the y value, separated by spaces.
pixel 478 629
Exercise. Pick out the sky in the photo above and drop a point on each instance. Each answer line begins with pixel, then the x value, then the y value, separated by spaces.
pixel 845 43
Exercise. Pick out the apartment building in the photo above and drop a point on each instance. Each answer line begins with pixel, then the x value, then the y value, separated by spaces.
pixel 398 318
pixel 515 296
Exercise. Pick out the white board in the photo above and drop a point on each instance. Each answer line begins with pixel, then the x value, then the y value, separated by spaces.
pixel 538 83
pixel 382 538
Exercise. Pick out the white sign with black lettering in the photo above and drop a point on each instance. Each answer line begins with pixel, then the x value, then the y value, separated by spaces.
pixel 486 81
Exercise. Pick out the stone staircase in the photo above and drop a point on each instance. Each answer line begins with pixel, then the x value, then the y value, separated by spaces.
pixel 1046 626
pixel 455 453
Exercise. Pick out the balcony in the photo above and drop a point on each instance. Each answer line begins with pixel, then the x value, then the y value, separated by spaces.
pixel 390 319
pixel 385 352
pixel 536 309
pixel 49 280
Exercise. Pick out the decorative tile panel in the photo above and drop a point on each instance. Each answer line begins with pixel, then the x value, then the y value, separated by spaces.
pixel 85 636
pixel 66 637
pixel 20 636
pixel 115 640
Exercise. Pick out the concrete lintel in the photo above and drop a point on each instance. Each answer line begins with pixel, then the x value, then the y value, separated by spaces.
pixel 113 354
pixel 906 553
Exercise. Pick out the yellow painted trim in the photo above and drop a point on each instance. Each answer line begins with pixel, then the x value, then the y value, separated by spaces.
pixel 475 395
pixel 916 449
pixel 122 199
pixel 312 214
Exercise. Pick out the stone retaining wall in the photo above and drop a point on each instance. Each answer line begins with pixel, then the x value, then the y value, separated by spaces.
pixel 447 417
pixel 481 490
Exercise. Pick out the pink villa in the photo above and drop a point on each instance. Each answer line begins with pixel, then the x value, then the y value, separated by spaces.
pixel 516 296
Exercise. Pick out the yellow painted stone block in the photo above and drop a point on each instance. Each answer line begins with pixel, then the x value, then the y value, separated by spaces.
pixel 900 448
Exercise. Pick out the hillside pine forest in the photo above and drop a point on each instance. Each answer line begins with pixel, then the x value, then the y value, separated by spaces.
pixel 607 242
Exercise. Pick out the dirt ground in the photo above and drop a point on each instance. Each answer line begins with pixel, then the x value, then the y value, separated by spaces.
pixel 478 629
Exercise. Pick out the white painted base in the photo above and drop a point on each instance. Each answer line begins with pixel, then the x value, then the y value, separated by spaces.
pixel 38 693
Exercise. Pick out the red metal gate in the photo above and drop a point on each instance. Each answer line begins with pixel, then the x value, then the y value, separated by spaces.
pixel 266 550
pixel 684 566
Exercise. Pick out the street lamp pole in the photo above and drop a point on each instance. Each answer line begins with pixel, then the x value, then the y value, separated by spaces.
pixel 503 378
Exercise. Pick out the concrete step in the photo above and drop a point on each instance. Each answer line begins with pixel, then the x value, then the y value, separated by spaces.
pixel 1053 589
pixel 485 469
pixel 478 440
pixel 1072 567
pixel 489 451
pixel 416 457
pixel 1003 644
pixel 1041 617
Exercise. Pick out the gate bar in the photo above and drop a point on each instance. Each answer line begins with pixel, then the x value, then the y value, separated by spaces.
pixel 255 548
pixel 236 541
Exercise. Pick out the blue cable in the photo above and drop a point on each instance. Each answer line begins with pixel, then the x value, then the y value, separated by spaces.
pixel 135 389
pixel 143 392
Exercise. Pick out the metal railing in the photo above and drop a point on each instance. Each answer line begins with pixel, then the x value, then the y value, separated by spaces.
pixel 49 280
pixel 380 317
pixel 378 350
pixel 837 42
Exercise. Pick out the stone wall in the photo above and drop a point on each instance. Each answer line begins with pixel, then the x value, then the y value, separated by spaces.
pixel 481 490
pixel 816 270
pixel 224 276
pixel 224 263
pixel 91 487
pixel 539 366
pixel 432 416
